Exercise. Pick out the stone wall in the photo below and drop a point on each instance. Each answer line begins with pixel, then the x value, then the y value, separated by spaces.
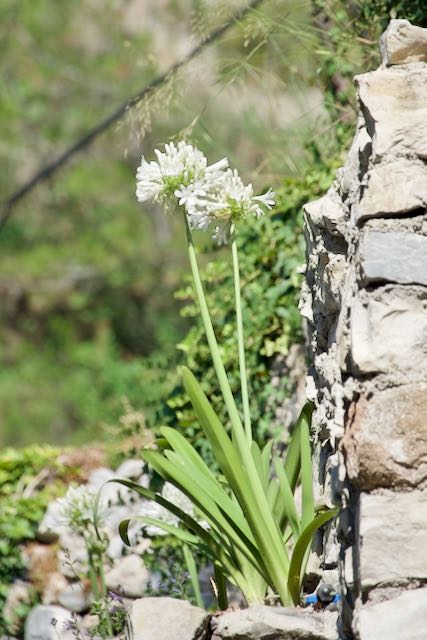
pixel 365 300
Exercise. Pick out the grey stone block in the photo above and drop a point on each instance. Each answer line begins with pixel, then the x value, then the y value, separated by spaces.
pixel 388 330
pixel 394 103
pixel 47 622
pixel 262 622
pixel 402 618
pixel 166 618
pixel 403 42
pixel 393 188
pixel 394 257
pixel 393 537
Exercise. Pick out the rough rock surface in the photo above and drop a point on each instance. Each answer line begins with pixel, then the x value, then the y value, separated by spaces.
pixel 265 623
pixel 388 452
pixel 403 42
pixel 48 623
pixel 129 577
pixel 394 102
pixel 394 257
pixel 404 617
pixel 393 537
pixel 387 328
pixel 365 301
pixel 166 618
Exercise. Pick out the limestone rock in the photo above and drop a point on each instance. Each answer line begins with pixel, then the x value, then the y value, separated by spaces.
pixel 357 161
pixel 166 618
pixel 327 212
pixel 262 622
pixel 129 577
pixel 393 536
pixel 75 597
pixel 386 442
pixel 394 257
pixel 403 42
pixel 394 103
pixel 52 524
pixel 387 329
pixel 402 617
pixel 48 623
pixel 131 469
pixel 19 593
pixel 393 188
pixel 72 557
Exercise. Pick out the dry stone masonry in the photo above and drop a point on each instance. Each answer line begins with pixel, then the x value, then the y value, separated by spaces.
pixel 365 300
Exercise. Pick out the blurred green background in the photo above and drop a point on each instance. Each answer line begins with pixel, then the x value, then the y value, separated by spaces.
pixel 89 315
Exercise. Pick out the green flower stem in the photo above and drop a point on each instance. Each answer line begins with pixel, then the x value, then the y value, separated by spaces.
pixel 104 595
pixel 240 337
pixel 194 578
pixel 211 338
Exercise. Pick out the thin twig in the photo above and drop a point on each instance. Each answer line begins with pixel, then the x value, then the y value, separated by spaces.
pixel 48 170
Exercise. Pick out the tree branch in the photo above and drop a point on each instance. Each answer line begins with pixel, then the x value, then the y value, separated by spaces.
pixel 85 141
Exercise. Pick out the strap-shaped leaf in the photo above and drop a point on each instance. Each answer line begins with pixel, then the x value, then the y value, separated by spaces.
pixel 238 466
pixel 303 543
pixel 285 509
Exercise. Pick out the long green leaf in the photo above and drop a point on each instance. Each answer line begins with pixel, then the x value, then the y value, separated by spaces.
pixel 194 577
pixel 244 479
pixel 286 511
pixel 307 510
pixel 293 455
pixel 303 543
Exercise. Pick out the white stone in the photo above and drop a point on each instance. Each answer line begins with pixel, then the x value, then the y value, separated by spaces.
pixel 257 623
pixel 129 577
pixel 393 536
pixel 327 212
pixel 393 188
pixel 19 593
pixel 357 160
pixel 394 257
pixel 388 331
pixel 75 597
pixel 72 557
pixel 166 619
pixel 402 618
pixel 131 469
pixel 38 625
pixel 51 526
pixel 394 103
pixel 403 42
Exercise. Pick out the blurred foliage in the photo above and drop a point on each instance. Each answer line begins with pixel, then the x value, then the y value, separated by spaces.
pixel 24 496
pixel 88 315
pixel 87 282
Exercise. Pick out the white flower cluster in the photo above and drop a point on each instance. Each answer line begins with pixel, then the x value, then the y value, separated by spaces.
pixel 214 196
pixel 77 508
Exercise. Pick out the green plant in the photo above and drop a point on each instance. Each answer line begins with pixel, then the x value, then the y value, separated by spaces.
pixel 24 496
pixel 254 536
pixel 78 512
pixel 270 273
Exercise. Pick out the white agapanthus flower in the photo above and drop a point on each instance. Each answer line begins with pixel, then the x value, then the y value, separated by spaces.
pixel 214 196
pixel 228 201
pixel 76 508
pixel 178 167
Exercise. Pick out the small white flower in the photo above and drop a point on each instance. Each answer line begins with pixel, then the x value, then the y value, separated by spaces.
pixel 76 508
pixel 223 202
pixel 178 167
